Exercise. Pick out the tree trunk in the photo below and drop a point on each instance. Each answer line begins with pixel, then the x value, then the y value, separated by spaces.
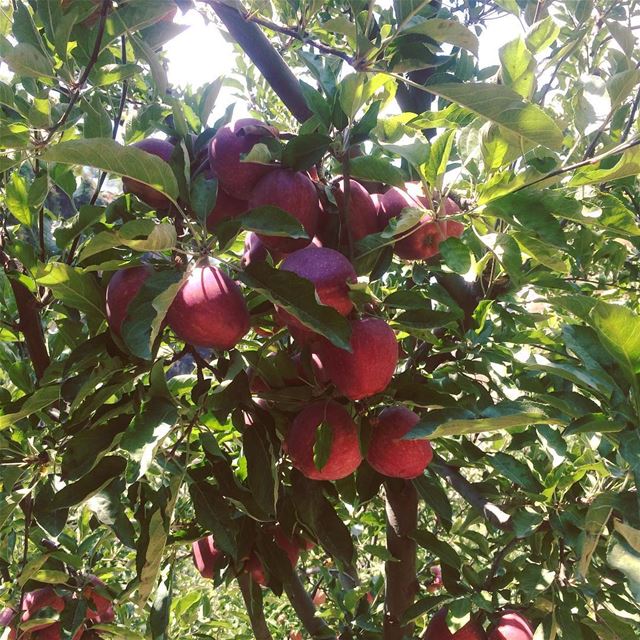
pixel 401 584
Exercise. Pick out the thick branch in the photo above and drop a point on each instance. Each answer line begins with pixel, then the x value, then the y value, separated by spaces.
pixel 306 610
pixel 490 511
pixel 257 46
pixel 252 596
pixel 401 585
pixel 29 319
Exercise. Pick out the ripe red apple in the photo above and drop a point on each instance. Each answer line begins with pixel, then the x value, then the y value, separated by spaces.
pixel 329 271
pixel 512 626
pixel 209 310
pixel 254 565
pixel 207 557
pixel 363 214
pixel 156 147
pixel 392 202
pixel 123 287
pixel 319 598
pixel 226 207
pixel 392 456
pixel 344 456
pixel 99 607
pixel 436 584
pixel 317 370
pixel 44 598
pixel 369 367
pixel 226 148
pixel 438 629
pixel 294 193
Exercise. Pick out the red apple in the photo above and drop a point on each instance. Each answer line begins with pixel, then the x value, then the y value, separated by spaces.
pixel 50 632
pixel 438 629
pixel 256 251
pixel 44 598
pixel 254 565
pixel 363 214
pixel 123 287
pixel 392 456
pixel 207 557
pixel 209 310
pixel 163 150
pixel 329 271
pixel 99 607
pixel 294 193
pixel 317 370
pixel 369 367
pixel 344 455
pixel 436 584
pixel 226 149
pixel 512 626
pixel 392 203
pixel 226 207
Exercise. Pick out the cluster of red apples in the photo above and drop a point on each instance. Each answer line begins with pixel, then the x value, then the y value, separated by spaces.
pixel 511 625
pixel 42 608
pixel 210 311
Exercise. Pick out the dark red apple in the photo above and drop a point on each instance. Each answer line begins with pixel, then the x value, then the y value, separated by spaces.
pixel 369 367
pixel 226 149
pixel 226 207
pixel 163 150
pixel 294 193
pixel 363 214
pixel 209 310
pixel 99 607
pixel 254 565
pixel 392 203
pixel 44 598
pixel 439 630
pixel 207 557
pixel 123 287
pixel 329 271
pixel 344 455
pixel 392 456
pixel 512 626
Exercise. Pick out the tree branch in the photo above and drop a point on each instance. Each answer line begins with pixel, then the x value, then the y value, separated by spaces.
pixel 306 610
pixel 257 46
pixel 466 490
pixel 401 585
pixel 252 596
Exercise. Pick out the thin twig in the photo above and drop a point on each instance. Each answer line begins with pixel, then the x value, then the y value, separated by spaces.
pixel 85 75
pixel 632 118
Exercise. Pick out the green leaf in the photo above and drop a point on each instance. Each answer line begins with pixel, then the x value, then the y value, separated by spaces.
pixel 272 221
pixel 38 400
pixel 449 31
pixel 619 331
pixel 435 168
pixel 85 218
pixel 153 539
pixel 456 255
pixel 113 73
pixel 100 476
pixel 504 106
pixel 516 471
pixel 203 196
pixel 17 199
pixel 444 551
pixel 351 93
pixel 376 169
pixel 147 431
pixel 322 445
pixel 453 422
pixel 97 122
pixel 518 67
pixel 303 151
pixel 317 103
pixel 112 157
pixel 542 34
pixel 26 60
pixel 624 558
pixel 545 254
pixel 627 165
pixel 297 296
pixel 208 99
pixel 262 474
pixel 73 287
pixel 595 521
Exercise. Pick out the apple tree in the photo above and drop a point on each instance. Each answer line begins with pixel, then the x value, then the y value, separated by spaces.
pixel 343 344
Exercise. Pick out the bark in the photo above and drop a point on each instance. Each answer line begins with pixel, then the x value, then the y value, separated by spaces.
pixel 401 585
pixel 306 610
pixel 252 596
pixel 257 46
